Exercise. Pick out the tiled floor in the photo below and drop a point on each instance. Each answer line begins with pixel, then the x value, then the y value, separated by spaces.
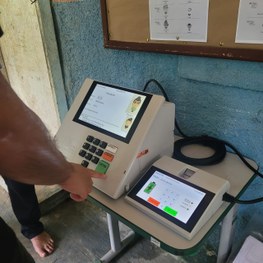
pixel 81 235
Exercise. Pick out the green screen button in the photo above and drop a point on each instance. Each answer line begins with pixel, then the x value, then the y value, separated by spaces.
pixel 170 211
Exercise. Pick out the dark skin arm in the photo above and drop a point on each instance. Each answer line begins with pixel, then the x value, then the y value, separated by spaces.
pixel 28 154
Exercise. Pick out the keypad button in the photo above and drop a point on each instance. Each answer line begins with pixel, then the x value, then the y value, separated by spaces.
pixel 108 156
pixel 90 138
pixel 84 163
pixel 92 149
pixel 88 156
pixel 111 148
pixel 99 152
pixel 82 153
pixel 86 146
pixel 102 167
pixel 96 141
pixel 95 159
pixel 103 144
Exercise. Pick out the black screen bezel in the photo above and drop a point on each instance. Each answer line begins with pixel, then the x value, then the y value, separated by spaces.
pixel 111 134
pixel 196 214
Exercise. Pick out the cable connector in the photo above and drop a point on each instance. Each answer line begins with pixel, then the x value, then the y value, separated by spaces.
pixel 229 198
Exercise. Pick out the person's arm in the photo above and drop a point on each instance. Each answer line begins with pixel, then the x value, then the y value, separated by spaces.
pixel 28 154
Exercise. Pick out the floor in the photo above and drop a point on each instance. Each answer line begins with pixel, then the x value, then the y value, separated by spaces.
pixel 81 235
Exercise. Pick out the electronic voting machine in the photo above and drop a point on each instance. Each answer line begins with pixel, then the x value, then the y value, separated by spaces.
pixel 180 196
pixel 116 131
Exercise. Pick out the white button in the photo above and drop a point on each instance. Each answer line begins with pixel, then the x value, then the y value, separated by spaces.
pixel 111 148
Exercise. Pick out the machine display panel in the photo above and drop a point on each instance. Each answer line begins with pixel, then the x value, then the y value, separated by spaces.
pixel 112 110
pixel 171 197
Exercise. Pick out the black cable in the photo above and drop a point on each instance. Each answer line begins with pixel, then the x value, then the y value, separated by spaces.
pixel 220 151
pixel 219 147
pixel 243 159
pixel 216 144
pixel 213 143
pixel 179 129
pixel 159 86
pixel 231 199
pixel 166 98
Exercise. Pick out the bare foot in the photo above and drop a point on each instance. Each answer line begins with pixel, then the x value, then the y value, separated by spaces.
pixel 43 244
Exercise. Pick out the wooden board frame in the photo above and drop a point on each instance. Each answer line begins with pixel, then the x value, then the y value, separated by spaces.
pixel 221 32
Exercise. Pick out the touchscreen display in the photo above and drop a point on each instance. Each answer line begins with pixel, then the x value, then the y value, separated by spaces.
pixel 171 197
pixel 113 110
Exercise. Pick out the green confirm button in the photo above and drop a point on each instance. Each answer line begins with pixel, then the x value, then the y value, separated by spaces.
pixel 170 211
pixel 102 167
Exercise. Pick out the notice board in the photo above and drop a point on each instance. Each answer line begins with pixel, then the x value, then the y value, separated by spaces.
pixel 126 26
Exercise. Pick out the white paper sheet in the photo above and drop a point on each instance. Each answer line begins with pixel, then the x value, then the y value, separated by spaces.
pixel 250 22
pixel 179 20
pixel 250 252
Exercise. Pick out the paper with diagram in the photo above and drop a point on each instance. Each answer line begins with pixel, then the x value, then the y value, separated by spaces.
pixel 179 20
pixel 250 22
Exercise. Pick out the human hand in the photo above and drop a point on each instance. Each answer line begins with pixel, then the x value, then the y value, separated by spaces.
pixel 79 183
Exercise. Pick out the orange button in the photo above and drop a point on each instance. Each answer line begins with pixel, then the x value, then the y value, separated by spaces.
pixel 107 156
pixel 153 201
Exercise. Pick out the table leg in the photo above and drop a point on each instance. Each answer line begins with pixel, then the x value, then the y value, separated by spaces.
pixel 117 245
pixel 226 235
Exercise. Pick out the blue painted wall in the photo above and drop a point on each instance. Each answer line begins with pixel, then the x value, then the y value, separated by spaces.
pixel 219 97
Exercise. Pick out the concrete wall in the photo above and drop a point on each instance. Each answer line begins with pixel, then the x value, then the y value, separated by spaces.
pixel 218 97
pixel 25 60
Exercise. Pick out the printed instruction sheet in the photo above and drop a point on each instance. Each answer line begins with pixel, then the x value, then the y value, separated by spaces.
pixel 179 20
pixel 250 22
